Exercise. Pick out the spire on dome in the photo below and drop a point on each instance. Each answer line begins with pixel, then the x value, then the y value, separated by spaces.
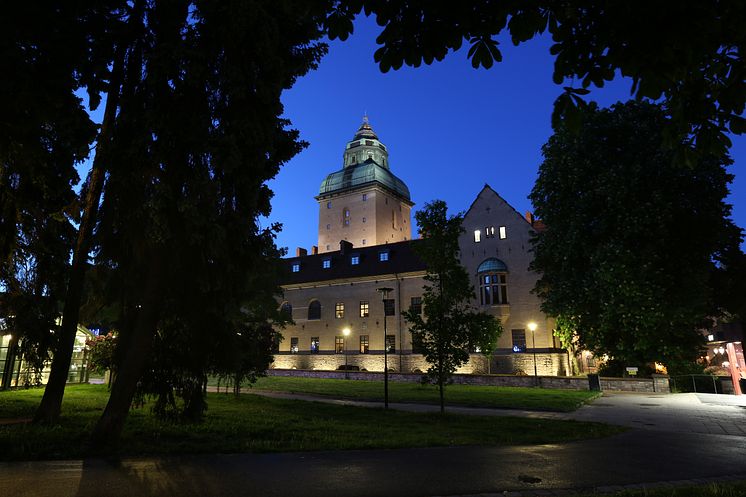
pixel 365 130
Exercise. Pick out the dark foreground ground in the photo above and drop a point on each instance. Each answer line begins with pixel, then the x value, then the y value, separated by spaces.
pixel 637 456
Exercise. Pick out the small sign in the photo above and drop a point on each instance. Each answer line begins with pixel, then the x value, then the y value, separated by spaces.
pixel 518 348
pixel 632 371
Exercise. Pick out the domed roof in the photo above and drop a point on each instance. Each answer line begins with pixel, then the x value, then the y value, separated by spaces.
pixel 365 131
pixel 492 264
pixel 361 174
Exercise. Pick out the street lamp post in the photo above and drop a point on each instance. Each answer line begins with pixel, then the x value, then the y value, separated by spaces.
pixel 346 333
pixel 385 295
pixel 532 327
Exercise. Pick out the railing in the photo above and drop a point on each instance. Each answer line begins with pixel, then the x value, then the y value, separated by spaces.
pixel 697 383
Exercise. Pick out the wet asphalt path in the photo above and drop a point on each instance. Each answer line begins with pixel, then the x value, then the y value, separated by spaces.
pixel 637 456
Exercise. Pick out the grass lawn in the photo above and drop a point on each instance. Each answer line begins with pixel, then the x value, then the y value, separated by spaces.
pixel 464 395
pixel 252 423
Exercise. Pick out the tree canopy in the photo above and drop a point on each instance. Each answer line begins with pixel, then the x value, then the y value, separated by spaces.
pixel 633 239
pixel 687 53
pixel 449 327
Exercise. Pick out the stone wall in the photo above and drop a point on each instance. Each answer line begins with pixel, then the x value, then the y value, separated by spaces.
pixel 658 384
pixel 548 364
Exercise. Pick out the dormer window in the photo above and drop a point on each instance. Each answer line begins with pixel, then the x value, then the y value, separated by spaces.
pixel 296 267
pixel 383 255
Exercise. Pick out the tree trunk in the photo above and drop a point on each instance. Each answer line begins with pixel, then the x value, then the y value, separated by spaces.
pixel 440 387
pixel 51 403
pixel 132 362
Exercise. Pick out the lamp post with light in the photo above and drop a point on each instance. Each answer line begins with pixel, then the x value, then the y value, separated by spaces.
pixel 346 333
pixel 385 295
pixel 532 327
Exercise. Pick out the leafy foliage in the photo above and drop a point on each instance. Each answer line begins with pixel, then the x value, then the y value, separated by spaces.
pixel 633 238
pixel 700 78
pixel 449 326
pixel 101 352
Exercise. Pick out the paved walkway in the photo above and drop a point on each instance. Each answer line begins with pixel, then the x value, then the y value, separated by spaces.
pixel 685 412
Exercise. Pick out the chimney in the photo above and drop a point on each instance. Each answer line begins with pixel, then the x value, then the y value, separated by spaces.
pixel 300 252
pixel 314 250
pixel 344 247
pixel 530 218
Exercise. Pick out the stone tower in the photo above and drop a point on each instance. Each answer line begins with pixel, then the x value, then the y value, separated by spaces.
pixel 363 203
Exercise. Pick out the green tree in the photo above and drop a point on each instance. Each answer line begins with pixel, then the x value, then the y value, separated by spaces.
pixel 633 238
pixel 449 326
pixel 45 132
pixel 198 133
pixel 701 78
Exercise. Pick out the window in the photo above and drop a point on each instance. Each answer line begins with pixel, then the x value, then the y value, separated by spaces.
pixel 389 307
pixel 293 345
pixel 339 310
pixel 489 231
pixel 365 197
pixel 519 340
pixel 314 310
pixel 355 260
pixel 364 344
pixel 329 205
pixel 493 282
pixel 590 361
pixel 296 267
pixel 383 255
pixel 503 233
pixel 328 226
pixel 339 344
pixel 364 309
pixel 364 219
pixel 416 305
pixel 346 217
pixel 326 263
pixel 390 343
pixel 417 347
pixel 477 236
pixel 315 345
pixel 286 310
pixel 363 241
pixel 493 289
pixel 327 247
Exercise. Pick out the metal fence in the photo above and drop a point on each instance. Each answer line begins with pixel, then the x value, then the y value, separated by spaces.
pixel 698 383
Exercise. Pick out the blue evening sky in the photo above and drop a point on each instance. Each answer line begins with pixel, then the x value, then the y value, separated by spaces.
pixel 449 128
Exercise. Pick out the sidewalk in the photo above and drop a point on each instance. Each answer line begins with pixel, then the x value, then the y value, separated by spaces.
pixel 683 413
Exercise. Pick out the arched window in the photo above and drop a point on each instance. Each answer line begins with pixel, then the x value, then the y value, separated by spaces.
pixel 286 310
pixel 314 310
pixel 493 282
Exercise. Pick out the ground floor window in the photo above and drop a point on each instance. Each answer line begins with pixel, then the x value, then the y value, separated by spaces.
pixel 293 345
pixel 519 340
pixel 315 345
pixel 339 345
pixel 364 344
pixel 390 343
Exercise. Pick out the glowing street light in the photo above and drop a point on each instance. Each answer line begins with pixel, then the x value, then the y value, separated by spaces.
pixel 346 333
pixel 532 327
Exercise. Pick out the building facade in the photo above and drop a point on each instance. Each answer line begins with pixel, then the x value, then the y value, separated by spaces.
pixel 365 244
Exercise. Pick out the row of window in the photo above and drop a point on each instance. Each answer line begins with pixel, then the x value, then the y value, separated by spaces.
pixel 389 308
pixel 347 212
pixel 326 263
pixel 489 232
pixel 339 344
